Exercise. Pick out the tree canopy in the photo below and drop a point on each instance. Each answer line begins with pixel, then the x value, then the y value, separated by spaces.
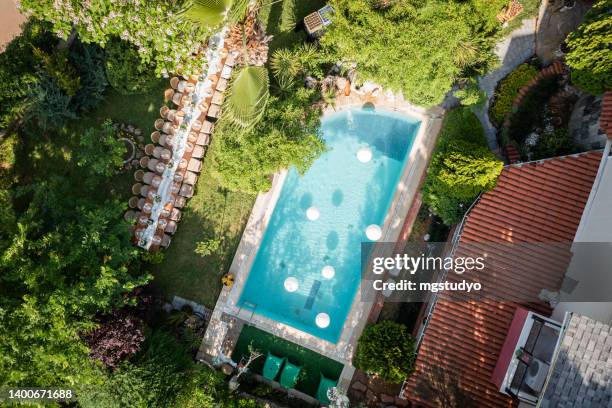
pixel 420 48
pixel 289 136
pixel 590 57
pixel 462 167
pixel 386 349
pixel 156 28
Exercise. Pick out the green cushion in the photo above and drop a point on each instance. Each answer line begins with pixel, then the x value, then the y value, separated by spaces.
pixel 272 366
pixel 289 376
pixel 324 385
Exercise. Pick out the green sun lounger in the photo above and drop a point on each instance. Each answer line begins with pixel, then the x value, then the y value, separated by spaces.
pixel 272 366
pixel 289 376
pixel 324 385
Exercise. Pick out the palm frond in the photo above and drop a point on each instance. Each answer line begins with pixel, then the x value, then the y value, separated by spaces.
pixel 208 13
pixel 248 97
pixel 239 10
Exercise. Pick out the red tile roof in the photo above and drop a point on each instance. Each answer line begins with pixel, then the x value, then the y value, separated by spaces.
pixel 605 118
pixel 533 202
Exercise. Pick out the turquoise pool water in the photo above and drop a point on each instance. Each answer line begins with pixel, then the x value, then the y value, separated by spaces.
pixel 349 196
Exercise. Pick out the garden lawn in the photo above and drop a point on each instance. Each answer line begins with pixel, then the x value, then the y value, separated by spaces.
pixel 37 158
pixel 313 364
pixel 211 213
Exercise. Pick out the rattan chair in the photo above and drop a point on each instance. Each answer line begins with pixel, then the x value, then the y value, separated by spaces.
pixel 174 81
pixel 152 164
pixel 203 139
pixel 133 202
pixel 180 201
pixel 131 215
pixel 190 178
pixel 155 136
pixel 198 152
pixel 148 176
pixel 194 165
pixel 158 124
pixel 175 215
pixel 171 227
pixel 141 203
pixel 138 174
pixel 144 161
pixel 168 94
pixel 165 242
pixel 163 111
pixel 136 188
pixel 186 191
pixel 149 149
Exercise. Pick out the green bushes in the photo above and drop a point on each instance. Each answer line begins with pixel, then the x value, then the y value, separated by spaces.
pixel 462 167
pixel 590 57
pixel 288 137
pixel 124 69
pixel 421 48
pixel 386 349
pixel 507 90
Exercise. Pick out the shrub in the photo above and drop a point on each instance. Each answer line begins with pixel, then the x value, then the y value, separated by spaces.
pixel 462 167
pixel 589 57
pixel 418 47
pixel 88 59
pixel 507 90
pixel 470 94
pixel 555 143
pixel 386 349
pixel 125 70
pixel 101 151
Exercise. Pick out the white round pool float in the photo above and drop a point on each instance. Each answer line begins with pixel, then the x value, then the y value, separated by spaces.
pixel 364 154
pixel 322 320
pixel 373 232
pixel 291 284
pixel 313 213
pixel 328 272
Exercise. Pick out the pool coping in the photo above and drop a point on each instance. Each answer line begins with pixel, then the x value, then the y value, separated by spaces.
pixel 403 197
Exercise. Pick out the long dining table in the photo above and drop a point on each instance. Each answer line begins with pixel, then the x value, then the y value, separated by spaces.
pixel 161 201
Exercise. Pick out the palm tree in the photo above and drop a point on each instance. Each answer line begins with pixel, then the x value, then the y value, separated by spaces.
pixel 213 13
pixel 249 91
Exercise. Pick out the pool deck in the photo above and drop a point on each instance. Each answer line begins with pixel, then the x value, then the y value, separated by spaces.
pixel 227 310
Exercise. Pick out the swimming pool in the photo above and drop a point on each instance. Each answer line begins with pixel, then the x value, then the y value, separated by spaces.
pixel 320 220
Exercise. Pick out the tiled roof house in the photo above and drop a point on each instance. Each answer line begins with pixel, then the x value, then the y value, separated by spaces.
pixel 491 352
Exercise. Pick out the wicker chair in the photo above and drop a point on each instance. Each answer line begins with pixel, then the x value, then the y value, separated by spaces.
pixel 165 242
pixel 194 165
pixel 174 81
pixel 133 202
pixel 144 190
pixel 175 215
pixel 166 140
pixel 158 124
pixel 171 227
pixel 163 111
pixel 148 177
pixel 203 139
pixel 149 149
pixel 141 203
pixel 156 181
pixel 152 164
pixel 168 94
pixel 144 162
pixel 190 178
pixel 198 152
pixel 155 136
pixel 130 215
pixel 186 191
pixel 179 202
pixel 136 188
pixel 176 98
pixel 138 174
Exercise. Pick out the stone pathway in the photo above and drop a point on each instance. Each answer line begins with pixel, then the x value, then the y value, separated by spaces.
pixel 512 51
